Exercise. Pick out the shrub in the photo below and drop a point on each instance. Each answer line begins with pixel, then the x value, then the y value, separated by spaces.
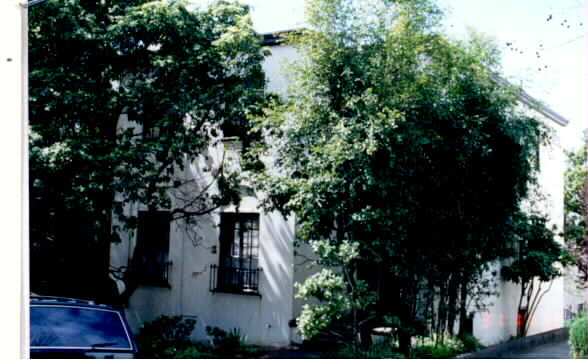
pixel 164 336
pixel 445 351
pixel 440 351
pixel 377 351
pixel 196 351
pixel 451 347
pixel 470 343
pixel 578 337
pixel 423 352
pixel 226 343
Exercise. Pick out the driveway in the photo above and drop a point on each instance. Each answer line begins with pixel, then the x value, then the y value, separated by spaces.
pixel 556 350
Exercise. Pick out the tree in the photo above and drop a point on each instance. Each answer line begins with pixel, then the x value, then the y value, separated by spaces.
pixel 399 143
pixel 179 74
pixel 575 234
pixel 535 264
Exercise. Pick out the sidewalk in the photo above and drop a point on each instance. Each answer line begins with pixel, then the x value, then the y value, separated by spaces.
pixel 551 344
pixel 557 350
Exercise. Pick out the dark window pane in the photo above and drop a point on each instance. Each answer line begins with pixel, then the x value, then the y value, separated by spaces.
pixel 77 327
pixel 239 238
pixel 153 246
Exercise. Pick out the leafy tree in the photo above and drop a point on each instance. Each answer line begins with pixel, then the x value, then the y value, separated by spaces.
pixel 535 264
pixel 575 211
pixel 180 75
pixel 398 142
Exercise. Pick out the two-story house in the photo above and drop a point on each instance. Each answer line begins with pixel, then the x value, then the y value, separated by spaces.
pixel 237 269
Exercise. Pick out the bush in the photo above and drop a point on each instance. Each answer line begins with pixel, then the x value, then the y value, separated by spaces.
pixel 470 343
pixel 451 347
pixel 578 337
pixel 377 351
pixel 441 351
pixel 164 336
pixel 195 351
pixel 226 343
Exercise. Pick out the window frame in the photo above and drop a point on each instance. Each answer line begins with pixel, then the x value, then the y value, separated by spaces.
pixel 151 257
pixel 238 261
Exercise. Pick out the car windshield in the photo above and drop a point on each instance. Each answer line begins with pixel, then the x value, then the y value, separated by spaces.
pixel 77 327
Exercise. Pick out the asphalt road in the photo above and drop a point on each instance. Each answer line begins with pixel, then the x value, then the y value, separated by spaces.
pixel 557 350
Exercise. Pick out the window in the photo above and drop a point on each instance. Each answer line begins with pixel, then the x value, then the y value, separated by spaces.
pixel 237 270
pixel 71 327
pixel 151 129
pixel 152 250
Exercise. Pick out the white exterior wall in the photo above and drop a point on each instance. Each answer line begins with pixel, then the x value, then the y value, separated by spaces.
pixel 575 297
pixel 263 319
pixel 550 313
pixel 499 322
pixel 275 65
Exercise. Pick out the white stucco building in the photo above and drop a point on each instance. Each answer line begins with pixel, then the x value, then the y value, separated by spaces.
pixel 237 270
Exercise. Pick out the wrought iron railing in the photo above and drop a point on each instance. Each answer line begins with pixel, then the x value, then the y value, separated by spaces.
pixel 155 274
pixel 234 280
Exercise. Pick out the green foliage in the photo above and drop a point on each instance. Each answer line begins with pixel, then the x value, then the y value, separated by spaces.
pixel 227 343
pixel 189 352
pixel 180 75
pixel 377 351
pixel 205 351
pixel 537 261
pixel 440 351
pixel 470 343
pixel 575 211
pixel 340 295
pixel 451 347
pixel 169 337
pixel 401 142
pixel 579 337
pixel 164 336
pixel 538 252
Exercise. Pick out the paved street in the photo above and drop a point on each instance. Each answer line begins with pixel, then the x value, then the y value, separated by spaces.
pixel 558 350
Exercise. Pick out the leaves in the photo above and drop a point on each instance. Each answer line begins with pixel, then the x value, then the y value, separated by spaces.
pixel 399 140
pixel 575 211
pixel 171 71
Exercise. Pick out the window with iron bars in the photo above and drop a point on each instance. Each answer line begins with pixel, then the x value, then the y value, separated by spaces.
pixel 238 268
pixel 152 251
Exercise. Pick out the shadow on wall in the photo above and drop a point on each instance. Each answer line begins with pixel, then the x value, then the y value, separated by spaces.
pixel 279 274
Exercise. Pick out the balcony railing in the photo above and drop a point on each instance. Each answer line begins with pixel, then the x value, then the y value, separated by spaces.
pixel 234 280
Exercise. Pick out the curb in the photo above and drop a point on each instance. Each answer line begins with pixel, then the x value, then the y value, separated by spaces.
pixel 518 345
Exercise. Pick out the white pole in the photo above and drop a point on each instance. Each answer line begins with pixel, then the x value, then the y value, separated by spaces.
pixel 25 330
pixel 14 223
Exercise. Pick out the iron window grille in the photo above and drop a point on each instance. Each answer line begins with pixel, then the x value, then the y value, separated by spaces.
pixel 237 271
pixel 152 251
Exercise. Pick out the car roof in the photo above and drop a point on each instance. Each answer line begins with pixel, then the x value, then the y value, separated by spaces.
pixel 58 300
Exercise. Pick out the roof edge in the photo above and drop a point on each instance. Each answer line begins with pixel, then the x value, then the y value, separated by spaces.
pixel 275 38
pixel 533 102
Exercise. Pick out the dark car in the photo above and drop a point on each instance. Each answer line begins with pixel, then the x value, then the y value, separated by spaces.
pixel 72 328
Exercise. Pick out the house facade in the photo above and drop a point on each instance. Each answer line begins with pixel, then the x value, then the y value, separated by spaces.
pixel 236 268
pixel 231 269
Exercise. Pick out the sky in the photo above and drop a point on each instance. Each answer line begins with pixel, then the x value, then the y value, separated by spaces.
pixel 543 43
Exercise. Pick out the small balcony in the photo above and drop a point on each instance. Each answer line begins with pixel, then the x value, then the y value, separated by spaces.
pixel 234 280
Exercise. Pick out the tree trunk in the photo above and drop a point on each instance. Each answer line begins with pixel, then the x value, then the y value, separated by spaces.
pixel 464 327
pixel 441 313
pixel 451 305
